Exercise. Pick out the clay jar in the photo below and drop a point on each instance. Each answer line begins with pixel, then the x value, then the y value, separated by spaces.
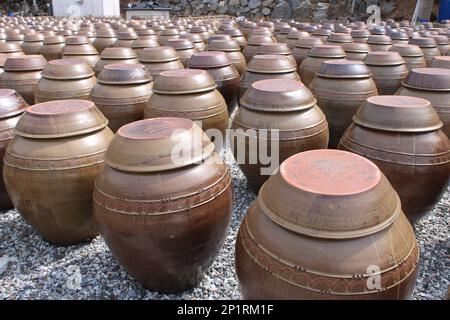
pixel 184 48
pixel 264 67
pixel 11 108
pixel 169 33
pixel 379 42
pixel 432 84
pixel 399 37
pixel 441 62
pixel 196 39
pixel 65 79
pixel 105 38
pixel 11 49
pixel 232 50
pixel 276 49
pixel 442 43
pixel 159 59
pixel 220 68
pixel 339 39
pixel 172 215
pixel 429 47
pixel 388 70
pixel 253 44
pixel 22 73
pixel 412 54
pixel 275 104
pixel 341 86
pixel 32 43
pixel 125 38
pixel 115 55
pixel 52 47
pixel 318 54
pixel 305 237
pixel 302 48
pixel 79 47
pixel 140 44
pixel 360 35
pixel 238 36
pixel 294 36
pixel 402 136
pixel 50 166
pixel 121 93
pixel 356 51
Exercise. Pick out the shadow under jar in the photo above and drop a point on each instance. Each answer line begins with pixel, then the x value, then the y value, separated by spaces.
pixel 52 47
pixel 388 70
pixel 320 228
pixel 402 136
pixel 115 55
pixel 340 87
pixel 189 94
pixel 50 166
pixel 159 59
pixel 121 93
pixel 164 221
pixel 12 106
pixel 65 79
pixel 221 69
pixel 277 118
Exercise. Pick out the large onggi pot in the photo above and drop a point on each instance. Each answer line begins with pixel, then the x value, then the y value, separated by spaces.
pixel 52 47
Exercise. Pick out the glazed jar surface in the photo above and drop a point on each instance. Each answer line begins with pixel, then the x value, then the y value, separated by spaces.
pixel 79 47
pixel 50 166
pixel 412 54
pixel 52 47
pixel 115 55
pixel 302 47
pixel 232 50
pixel 160 59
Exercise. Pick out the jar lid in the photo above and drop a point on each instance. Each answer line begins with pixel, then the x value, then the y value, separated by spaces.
pixel 195 38
pixel 383 58
pixel 54 40
pixel 357 47
pixel 440 39
pixel 219 37
pixel 322 32
pixel 127 35
pixel 224 45
pixel 118 53
pixel 266 63
pixel 183 81
pixel 407 50
pixel 274 48
pixel 399 35
pixel 124 74
pixel 144 43
pixel 233 32
pixel 171 32
pixel 256 40
pixel 343 69
pixel 379 39
pixel 158 144
pixel 327 51
pixel 278 95
pixel 25 63
pixel 340 37
pixel 424 42
pixel 431 79
pixel 295 34
pixel 34 37
pixel 360 33
pixel 198 29
pixel 77 40
pixel 106 33
pixel 158 54
pixel 59 119
pixel 11 103
pixel 308 42
pixel 67 69
pixel 209 59
pixel 261 31
pixel 323 193
pixel 8 47
pixel 398 114
pixel 439 62
pixel 180 44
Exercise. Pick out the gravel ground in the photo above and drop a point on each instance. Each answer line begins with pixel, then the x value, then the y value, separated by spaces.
pixel 32 269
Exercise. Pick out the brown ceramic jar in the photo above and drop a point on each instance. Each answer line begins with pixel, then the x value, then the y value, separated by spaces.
pixel 360 35
pixel 79 47
pixel 263 67
pixel 196 40
pixel 339 39
pixel 11 49
pixel 159 59
pixel 432 84
pixel 318 54
pixel 340 87
pixel 140 44
pixel 115 55
pixel 121 93
pixel 22 73
pixel 232 50
pixel 173 215
pixel 3 58
pixel 294 36
pixel 388 70
pixel 276 49
pixel 429 47
pixel 253 44
pixel 402 136
pixel 441 62
pixel 125 38
pixel 412 54
pixel 356 51
pixel 379 42
pixel 12 107
pixel 105 38
pixel 169 33
pixel 275 104
pixel 442 43
pixel 221 69
pixel 184 48
pixel 399 37
pixel 238 36
pixel 65 79
pixel 32 43
pixel 302 48
pixel 321 228
pixel 59 146
pixel 52 47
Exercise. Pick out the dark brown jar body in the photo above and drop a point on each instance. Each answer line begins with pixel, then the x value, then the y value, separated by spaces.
pixel 52 51
pixel 388 78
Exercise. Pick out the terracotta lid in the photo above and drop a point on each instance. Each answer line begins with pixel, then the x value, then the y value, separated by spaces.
pixel 357 47
pixel 117 53
pixel 224 45
pixel 25 63
pixel 54 40
pixel 219 37
pixel 379 39
pixel 258 40
pixel 407 50
pixel 342 29
pixel 424 42
pixel 344 69
pixel 127 35
pixel 274 48
pixel 340 37
pixel 158 144
pixel 61 118
pixel 34 37
pixel 286 30
pixel 180 44
pixel 322 32
pixel 308 42
pixel 360 33
pixel 76 40
pixel 67 69
pixel 171 32
pixel 295 34
pixel 327 51
pixel 8 47
pixel 158 54
pixel 209 59
pixel 183 81
pixel 323 193
pixel 278 95
pixel 11 103
pixel 270 64
pixel 432 79
pixel 144 43
pixel 384 58
pixel 124 74
pixel 399 35
pixel 398 114
pixel 233 32
pixel 439 62
pixel 106 33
